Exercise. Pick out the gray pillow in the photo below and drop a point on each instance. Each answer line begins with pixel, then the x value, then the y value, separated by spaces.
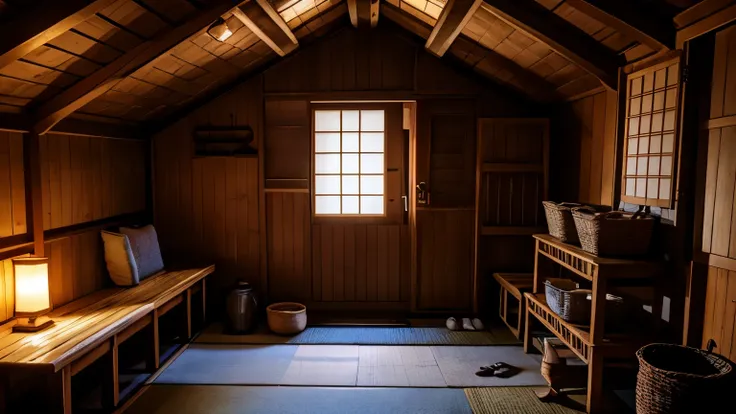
pixel 119 258
pixel 146 251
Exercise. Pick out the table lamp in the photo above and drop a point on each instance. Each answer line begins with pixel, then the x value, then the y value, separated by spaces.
pixel 32 298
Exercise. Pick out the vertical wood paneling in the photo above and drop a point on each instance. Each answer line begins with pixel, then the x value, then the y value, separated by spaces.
pixel 88 178
pixel 587 128
pixel 360 263
pixel 445 254
pixel 720 311
pixel 207 209
pixel 12 185
pixel 288 246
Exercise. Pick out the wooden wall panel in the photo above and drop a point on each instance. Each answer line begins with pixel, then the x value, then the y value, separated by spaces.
pixel 361 263
pixel 348 60
pixel 7 290
pixel 89 178
pixel 720 311
pixel 723 95
pixel 206 210
pixel 12 185
pixel 76 267
pixel 289 246
pixel 584 151
pixel 445 259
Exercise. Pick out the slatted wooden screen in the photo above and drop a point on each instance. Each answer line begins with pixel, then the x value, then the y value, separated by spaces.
pixel 512 172
pixel 650 147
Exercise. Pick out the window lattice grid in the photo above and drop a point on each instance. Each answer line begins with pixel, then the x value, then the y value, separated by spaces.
pixel 349 162
pixel 651 136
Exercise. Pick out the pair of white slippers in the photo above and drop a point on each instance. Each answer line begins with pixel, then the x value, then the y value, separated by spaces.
pixel 467 324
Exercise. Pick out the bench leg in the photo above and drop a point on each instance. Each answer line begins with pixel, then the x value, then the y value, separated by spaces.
pixel 204 302
pixel 528 338
pixel 189 313
pixel 60 391
pixel 111 385
pixel 153 357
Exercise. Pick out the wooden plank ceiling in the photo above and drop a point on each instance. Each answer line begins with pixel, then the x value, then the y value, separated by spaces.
pixel 546 63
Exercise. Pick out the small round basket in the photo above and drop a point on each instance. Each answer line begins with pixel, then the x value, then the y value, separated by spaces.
pixel 680 379
pixel 287 318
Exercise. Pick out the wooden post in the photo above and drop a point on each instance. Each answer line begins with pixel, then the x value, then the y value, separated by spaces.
pixel 189 313
pixel 111 385
pixel 34 201
pixel 595 379
pixel 153 358
pixel 537 280
pixel 528 345
pixel 598 308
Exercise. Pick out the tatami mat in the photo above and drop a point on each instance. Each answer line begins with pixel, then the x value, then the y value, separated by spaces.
pixel 191 399
pixel 459 364
pixel 506 400
pixel 347 365
pixel 348 335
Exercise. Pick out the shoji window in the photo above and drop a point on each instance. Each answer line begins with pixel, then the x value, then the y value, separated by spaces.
pixel 349 162
pixel 651 135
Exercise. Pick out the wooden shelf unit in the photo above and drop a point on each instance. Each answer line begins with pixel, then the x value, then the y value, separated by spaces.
pixel 591 345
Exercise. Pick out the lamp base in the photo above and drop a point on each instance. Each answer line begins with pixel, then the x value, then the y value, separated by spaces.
pixel 32 324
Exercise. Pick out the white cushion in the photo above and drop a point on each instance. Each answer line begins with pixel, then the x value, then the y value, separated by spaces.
pixel 146 251
pixel 119 258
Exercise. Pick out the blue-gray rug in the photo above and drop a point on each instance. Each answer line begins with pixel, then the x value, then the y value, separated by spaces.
pixel 329 335
pixel 190 399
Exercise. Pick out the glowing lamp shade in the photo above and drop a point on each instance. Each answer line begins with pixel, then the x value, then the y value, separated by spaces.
pixel 219 30
pixel 31 285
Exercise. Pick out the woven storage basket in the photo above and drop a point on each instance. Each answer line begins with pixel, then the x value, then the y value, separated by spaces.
pixel 679 379
pixel 574 305
pixel 560 222
pixel 613 233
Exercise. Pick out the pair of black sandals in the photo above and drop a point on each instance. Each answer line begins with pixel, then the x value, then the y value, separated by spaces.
pixel 499 369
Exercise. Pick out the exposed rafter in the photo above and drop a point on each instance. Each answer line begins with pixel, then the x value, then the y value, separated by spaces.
pixel 567 40
pixel 453 18
pixel 104 79
pixel 41 23
pixel 260 17
pixel 544 91
pixel 642 25
pixel 363 13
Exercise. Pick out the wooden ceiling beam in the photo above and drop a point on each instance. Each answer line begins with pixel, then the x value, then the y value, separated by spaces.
pixel 572 43
pixel 453 18
pixel 703 18
pixel 34 26
pixel 645 26
pixel 363 13
pixel 261 18
pixel 104 79
pixel 543 90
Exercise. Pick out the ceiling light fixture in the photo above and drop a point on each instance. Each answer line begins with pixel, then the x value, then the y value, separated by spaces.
pixel 219 30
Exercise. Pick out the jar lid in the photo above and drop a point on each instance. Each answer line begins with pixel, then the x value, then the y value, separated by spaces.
pixel 243 285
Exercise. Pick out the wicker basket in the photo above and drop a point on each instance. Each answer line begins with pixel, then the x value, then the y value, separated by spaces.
pixel 560 222
pixel 287 318
pixel 613 233
pixel 574 305
pixel 679 379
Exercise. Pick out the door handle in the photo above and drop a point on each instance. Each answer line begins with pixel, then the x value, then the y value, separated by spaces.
pixel 406 202
pixel 422 193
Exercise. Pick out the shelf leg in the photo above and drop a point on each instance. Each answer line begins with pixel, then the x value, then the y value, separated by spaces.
pixel 595 382
pixel 598 310
pixel 537 288
pixel 528 345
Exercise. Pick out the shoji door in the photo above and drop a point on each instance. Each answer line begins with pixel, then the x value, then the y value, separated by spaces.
pixel 445 173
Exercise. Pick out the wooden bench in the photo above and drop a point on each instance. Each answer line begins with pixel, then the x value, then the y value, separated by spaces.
pixel 93 327
pixel 514 284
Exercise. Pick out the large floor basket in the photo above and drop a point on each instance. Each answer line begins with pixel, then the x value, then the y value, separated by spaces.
pixel 679 379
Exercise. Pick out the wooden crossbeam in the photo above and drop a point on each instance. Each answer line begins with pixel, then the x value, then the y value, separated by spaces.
pixel 41 23
pixel 104 79
pixel 567 40
pixel 261 18
pixel 703 18
pixel 642 25
pixel 453 18
pixel 543 90
pixel 363 13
